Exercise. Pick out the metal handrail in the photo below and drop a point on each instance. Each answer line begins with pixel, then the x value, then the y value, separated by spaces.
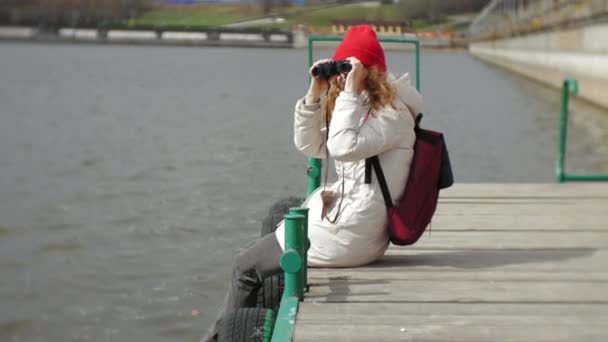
pixel 293 263
pixel 570 87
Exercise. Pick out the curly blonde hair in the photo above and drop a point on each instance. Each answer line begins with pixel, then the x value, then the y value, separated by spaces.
pixel 380 93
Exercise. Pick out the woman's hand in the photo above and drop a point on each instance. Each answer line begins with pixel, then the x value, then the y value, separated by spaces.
pixel 318 85
pixel 355 80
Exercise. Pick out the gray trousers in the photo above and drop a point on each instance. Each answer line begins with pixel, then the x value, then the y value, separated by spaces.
pixel 258 260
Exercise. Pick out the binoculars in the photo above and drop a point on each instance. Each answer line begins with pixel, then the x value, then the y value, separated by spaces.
pixel 328 69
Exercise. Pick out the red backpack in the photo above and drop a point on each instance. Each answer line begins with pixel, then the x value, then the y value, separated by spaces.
pixel 430 171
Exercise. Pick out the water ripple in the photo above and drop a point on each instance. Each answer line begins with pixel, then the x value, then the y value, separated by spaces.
pixel 68 245
pixel 14 326
pixel 63 226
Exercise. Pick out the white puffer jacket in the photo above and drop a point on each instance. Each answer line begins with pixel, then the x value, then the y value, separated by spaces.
pixel 359 236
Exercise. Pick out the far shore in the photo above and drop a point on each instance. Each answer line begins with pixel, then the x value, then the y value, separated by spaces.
pixel 255 38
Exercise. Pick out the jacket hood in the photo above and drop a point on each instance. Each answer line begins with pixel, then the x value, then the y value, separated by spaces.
pixel 407 94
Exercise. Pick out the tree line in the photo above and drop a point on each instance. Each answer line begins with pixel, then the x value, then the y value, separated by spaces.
pixel 70 12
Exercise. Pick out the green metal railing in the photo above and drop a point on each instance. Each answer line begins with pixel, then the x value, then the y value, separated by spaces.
pixel 293 262
pixel 570 87
pixel 314 165
pixel 304 245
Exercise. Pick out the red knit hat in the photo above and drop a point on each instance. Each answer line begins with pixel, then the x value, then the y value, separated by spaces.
pixel 361 42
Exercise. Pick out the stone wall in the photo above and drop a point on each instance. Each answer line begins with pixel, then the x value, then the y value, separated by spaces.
pixel 548 57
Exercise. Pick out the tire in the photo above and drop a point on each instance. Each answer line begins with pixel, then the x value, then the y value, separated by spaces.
pixel 245 325
pixel 276 212
pixel 271 292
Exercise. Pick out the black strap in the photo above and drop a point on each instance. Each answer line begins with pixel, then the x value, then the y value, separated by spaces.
pixel 368 171
pixel 375 162
pixel 417 121
pixel 379 174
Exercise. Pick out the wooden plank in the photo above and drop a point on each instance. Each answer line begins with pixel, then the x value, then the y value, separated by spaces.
pixel 326 276
pixel 374 318
pixel 469 291
pixel 558 198
pixel 536 211
pixel 512 240
pixel 520 200
pixel 522 329
pixel 443 322
pixel 522 217
pixel 533 264
pixel 530 201
pixel 524 190
pixel 483 205
pixel 556 263
pixel 579 208
pixel 517 222
pixel 337 310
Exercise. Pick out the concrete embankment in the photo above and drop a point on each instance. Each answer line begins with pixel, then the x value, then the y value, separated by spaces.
pixel 235 37
pixel 548 57
pixel 215 37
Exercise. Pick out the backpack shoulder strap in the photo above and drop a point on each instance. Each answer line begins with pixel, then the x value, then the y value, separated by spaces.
pixel 417 120
pixel 375 162
pixel 368 171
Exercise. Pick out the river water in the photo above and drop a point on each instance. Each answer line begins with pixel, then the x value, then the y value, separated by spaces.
pixel 130 175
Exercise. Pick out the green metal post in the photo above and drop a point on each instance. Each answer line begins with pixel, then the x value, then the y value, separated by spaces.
pixel 570 86
pixel 311 40
pixel 305 245
pixel 417 65
pixel 314 165
pixel 291 261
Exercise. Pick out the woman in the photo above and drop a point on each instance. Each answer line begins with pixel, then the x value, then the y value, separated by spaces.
pixel 364 113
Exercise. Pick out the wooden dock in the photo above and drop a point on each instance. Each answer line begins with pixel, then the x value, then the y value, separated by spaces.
pixel 503 262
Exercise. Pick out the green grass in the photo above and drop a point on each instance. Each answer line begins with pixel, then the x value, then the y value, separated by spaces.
pixel 312 16
pixel 176 19
pixel 203 15
pixel 323 17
